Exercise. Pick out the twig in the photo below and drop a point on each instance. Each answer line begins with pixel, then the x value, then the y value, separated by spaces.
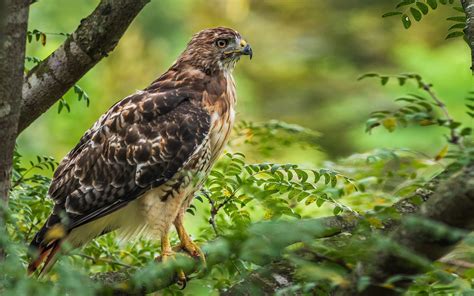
pixel 22 177
pixel 458 263
pixel 27 235
pixel 105 260
pixel 212 219
pixel 454 139
pixel 216 208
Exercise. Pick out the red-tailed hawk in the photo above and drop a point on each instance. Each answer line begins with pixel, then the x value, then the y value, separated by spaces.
pixel 137 169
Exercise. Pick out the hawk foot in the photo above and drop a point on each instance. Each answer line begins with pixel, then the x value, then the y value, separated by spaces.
pixel 192 249
pixel 180 276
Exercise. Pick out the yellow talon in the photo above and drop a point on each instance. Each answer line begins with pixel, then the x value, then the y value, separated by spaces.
pixel 168 254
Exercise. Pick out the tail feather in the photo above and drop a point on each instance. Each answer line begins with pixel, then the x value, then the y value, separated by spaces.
pixel 45 245
pixel 47 257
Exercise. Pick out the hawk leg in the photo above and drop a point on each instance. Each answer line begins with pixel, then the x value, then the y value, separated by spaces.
pixel 187 244
pixel 168 254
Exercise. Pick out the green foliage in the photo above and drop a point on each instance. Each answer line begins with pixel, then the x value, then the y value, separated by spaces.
pixel 417 109
pixel 40 36
pixel 277 189
pixel 81 95
pixel 266 137
pixel 253 212
pixel 37 35
pixel 417 9
pixel 33 60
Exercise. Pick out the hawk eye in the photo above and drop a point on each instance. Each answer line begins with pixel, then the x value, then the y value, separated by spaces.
pixel 221 43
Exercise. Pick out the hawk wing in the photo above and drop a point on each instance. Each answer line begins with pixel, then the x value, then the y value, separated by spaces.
pixel 139 144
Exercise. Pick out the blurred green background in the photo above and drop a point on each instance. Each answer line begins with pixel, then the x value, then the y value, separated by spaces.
pixel 308 56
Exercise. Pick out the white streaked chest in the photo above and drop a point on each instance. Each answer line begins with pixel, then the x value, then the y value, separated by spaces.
pixel 223 122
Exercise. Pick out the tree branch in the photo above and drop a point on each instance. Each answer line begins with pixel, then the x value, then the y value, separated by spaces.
pixel 122 282
pixel 468 6
pixel 443 221
pixel 96 36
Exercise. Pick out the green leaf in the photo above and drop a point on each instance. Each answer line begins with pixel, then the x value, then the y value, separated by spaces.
pixel 406 21
pixel 217 174
pixel 405 3
pixel 425 105
pixel 454 125
pixel 459 19
pixel 274 168
pixel 60 107
pixel 302 175
pixel 418 97
pixel 320 202
pixel 403 99
pixel 416 14
pixel 432 3
pixel 423 7
pixel 368 75
pixel 466 131
pixel 371 123
pixel 317 176
pixel 457 26
pixel 293 193
pixel 384 80
pixel 391 13
pixel 455 34
pixel 327 178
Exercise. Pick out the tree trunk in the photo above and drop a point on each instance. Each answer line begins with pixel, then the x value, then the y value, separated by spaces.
pixel 468 6
pixel 12 56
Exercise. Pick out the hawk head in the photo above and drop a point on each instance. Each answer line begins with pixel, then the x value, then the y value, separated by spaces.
pixel 215 49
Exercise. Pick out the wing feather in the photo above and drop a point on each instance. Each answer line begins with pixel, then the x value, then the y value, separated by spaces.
pixel 140 143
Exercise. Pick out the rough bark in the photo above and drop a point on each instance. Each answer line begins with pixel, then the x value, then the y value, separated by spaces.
pixel 468 6
pixel 264 281
pixel 96 36
pixel 2 18
pixel 443 221
pixel 12 55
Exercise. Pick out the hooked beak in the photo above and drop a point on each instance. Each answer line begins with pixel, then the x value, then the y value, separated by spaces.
pixel 245 48
pixel 242 49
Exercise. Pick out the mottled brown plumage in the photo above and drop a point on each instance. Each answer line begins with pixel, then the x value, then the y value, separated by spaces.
pixel 145 158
